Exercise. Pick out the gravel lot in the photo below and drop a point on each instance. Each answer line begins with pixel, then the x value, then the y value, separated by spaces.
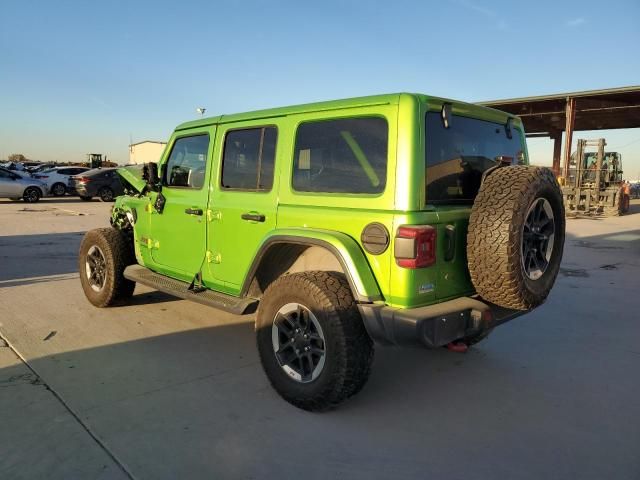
pixel 164 388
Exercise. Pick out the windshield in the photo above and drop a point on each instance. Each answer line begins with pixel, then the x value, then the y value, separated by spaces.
pixel 456 157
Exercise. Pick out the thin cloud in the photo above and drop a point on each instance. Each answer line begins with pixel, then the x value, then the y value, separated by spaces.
pixel 489 14
pixel 574 22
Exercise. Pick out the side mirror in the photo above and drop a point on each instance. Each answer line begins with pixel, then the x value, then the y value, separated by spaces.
pixel 150 174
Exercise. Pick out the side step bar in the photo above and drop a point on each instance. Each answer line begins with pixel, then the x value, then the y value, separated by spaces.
pixel 178 288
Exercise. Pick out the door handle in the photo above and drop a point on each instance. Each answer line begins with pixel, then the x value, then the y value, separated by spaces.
pixel 253 217
pixel 193 211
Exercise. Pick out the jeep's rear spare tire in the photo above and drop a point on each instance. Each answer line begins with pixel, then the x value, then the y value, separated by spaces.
pixel 516 236
pixel 312 342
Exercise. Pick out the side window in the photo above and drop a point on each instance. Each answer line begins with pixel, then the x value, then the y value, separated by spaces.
pixel 344 156
pixel 65 171
pixel 249 157
pixel 188 162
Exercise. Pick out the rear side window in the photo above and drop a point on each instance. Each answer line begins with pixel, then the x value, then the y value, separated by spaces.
pixel 188 162
pixel 456 157
pixel 342 156
pixel 249 157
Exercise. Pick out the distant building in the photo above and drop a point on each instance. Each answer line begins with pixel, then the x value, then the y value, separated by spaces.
pixel 144 152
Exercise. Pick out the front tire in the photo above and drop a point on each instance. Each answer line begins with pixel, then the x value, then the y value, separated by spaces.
pixel 104 254
pixel 106 194
pixel 32 195
pixel 58 190
pixel 311 339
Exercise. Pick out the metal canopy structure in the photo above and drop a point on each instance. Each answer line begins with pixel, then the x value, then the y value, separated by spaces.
pixel 550 115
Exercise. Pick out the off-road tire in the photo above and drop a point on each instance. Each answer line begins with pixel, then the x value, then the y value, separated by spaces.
pixel 106 194
pixel 495 236
pixel 55 189
pixel 349 350
pixel 32 194
pixel 85 199
pixel 118 252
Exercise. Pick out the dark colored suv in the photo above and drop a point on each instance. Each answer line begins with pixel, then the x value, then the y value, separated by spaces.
pixel 101 182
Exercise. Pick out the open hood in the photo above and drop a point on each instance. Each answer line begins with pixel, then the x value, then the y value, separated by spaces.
pixel 132 176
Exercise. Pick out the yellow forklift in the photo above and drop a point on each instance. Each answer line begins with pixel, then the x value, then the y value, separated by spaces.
pixel 594 185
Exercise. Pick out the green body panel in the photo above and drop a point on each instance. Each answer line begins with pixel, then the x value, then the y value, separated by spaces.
pixel 232 241
pixel 223 246
pixel 345 247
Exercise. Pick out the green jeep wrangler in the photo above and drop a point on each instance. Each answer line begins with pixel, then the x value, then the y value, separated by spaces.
pixel 398 219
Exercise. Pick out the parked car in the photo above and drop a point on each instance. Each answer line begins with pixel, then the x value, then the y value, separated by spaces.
pixel 57 179
pixel 101 182
pixel 15 187
pixel 41 168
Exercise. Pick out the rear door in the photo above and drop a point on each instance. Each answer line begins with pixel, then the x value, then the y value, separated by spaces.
pixel 244 200
pixel 178 233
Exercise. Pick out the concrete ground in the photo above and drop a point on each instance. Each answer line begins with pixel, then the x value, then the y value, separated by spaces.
pixel 163 388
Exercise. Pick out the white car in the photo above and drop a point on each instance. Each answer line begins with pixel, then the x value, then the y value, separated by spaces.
pixel 57 178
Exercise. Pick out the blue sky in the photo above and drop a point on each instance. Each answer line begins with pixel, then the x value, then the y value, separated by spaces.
pixel 78 77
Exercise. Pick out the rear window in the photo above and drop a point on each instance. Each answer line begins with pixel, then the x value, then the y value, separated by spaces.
pixel 343 156
pixel 456 157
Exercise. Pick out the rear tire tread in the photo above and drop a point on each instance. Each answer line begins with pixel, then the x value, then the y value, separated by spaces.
pixel 332 296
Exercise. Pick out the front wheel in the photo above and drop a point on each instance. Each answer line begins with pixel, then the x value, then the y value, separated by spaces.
pixel 31 195
pixel 106 194
pixel 104 254
pixel 58 190
pixel 313 345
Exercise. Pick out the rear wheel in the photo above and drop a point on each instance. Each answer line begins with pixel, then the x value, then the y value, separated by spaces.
pixel 31 195
pixel 58 189
pixel 312 343
pixel 104 254
pixel 106 194
pixel 516 236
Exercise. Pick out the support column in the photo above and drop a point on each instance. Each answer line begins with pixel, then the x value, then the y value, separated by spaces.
pixel 568 133
pixel 557 150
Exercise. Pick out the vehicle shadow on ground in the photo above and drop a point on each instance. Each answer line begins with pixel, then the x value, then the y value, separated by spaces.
pixel 55 254
pixel 53 200
pixel 196 401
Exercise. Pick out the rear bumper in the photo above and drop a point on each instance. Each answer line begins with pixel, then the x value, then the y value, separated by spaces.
pixel 434 325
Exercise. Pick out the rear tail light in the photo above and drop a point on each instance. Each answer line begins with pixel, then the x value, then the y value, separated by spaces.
pixel 82 179
pixel 415 246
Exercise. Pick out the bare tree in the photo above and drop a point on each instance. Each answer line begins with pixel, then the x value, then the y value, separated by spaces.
pixel 17 158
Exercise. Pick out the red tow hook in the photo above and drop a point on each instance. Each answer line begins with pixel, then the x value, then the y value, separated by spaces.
pixel 458 347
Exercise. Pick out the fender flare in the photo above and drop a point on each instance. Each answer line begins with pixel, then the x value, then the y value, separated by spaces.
pixel 347 251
